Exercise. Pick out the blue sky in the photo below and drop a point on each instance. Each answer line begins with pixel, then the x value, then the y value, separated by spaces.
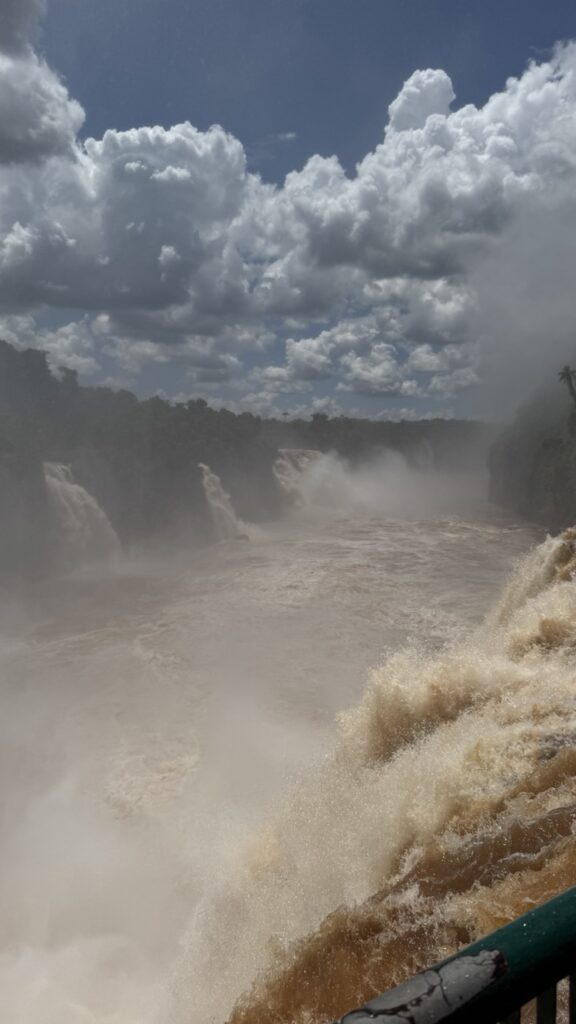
pixel 323 69
pixel 419 249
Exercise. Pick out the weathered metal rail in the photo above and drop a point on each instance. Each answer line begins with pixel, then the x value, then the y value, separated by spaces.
pixel 490 981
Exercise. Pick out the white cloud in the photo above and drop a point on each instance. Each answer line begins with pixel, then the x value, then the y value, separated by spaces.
pixel 379 354
pixel 392 281
pixel 73 345
pixel 38 119
pixel 425 93
pixel 377 373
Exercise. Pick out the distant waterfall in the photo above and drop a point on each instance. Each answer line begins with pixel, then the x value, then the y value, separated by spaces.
pixel 226 523
pixel 289 467
pixel 81 529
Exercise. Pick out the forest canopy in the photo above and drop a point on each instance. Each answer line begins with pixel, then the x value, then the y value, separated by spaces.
pixel 139 457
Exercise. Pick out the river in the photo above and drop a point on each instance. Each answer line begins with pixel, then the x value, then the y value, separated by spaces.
pixel 182 798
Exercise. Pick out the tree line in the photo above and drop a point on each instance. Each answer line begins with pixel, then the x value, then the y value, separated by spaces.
pixel 139 457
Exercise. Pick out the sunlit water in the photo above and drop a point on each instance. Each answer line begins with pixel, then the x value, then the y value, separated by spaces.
pixel 154 722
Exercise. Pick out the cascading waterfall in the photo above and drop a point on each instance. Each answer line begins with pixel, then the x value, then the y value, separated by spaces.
pixel 226 523
pixel 160 721
pixel 81 530
pixel 448 808
pixel 387 484
pixel 289 467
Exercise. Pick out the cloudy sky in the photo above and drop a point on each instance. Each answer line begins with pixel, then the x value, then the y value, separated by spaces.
pixel 364 206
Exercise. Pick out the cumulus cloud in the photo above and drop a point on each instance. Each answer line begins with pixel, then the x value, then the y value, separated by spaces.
pixel 119 227
pixel 318 357
pixel 390 282
pixel 72 345
pixel 425 93
pixel 377 373
pixel 38 119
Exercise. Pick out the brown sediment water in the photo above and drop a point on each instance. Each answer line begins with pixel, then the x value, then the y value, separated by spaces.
pixel 197 830
pixel 461 770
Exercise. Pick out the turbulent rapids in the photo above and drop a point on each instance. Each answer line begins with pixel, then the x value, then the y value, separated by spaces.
pixel 187 839
pixel 289 468
pixel 448 808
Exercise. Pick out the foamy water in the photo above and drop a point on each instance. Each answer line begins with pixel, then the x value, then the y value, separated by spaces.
pixel 290 471
pixel 80 529
pixel 185 820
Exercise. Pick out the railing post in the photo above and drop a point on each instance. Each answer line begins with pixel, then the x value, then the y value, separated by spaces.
pixel 572 999
pixel 492 979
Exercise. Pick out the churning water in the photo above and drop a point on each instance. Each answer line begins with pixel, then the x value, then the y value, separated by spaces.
pixel 188 836
pixel 290 470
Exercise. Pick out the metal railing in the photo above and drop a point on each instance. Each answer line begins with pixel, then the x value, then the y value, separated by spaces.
pixel 490 981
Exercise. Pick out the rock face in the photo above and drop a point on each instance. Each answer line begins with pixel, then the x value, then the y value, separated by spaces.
pixel 24 517
pixel 533 465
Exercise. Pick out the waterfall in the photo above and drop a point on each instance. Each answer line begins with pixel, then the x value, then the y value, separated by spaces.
pixel 81 530
pixel 226 523
pixel 448 808
pixel 289 467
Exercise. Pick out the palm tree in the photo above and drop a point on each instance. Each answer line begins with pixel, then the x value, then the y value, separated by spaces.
pixel 567 377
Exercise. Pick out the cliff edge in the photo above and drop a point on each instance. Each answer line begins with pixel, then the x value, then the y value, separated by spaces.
pixel 533 463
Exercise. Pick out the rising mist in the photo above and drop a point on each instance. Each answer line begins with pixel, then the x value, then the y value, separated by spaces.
pixel 287 702
pixel 158 711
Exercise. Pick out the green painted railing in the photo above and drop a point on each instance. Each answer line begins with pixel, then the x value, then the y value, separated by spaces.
pixel 490 981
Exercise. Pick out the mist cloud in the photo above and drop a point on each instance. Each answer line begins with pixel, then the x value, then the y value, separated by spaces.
pixel 393 281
